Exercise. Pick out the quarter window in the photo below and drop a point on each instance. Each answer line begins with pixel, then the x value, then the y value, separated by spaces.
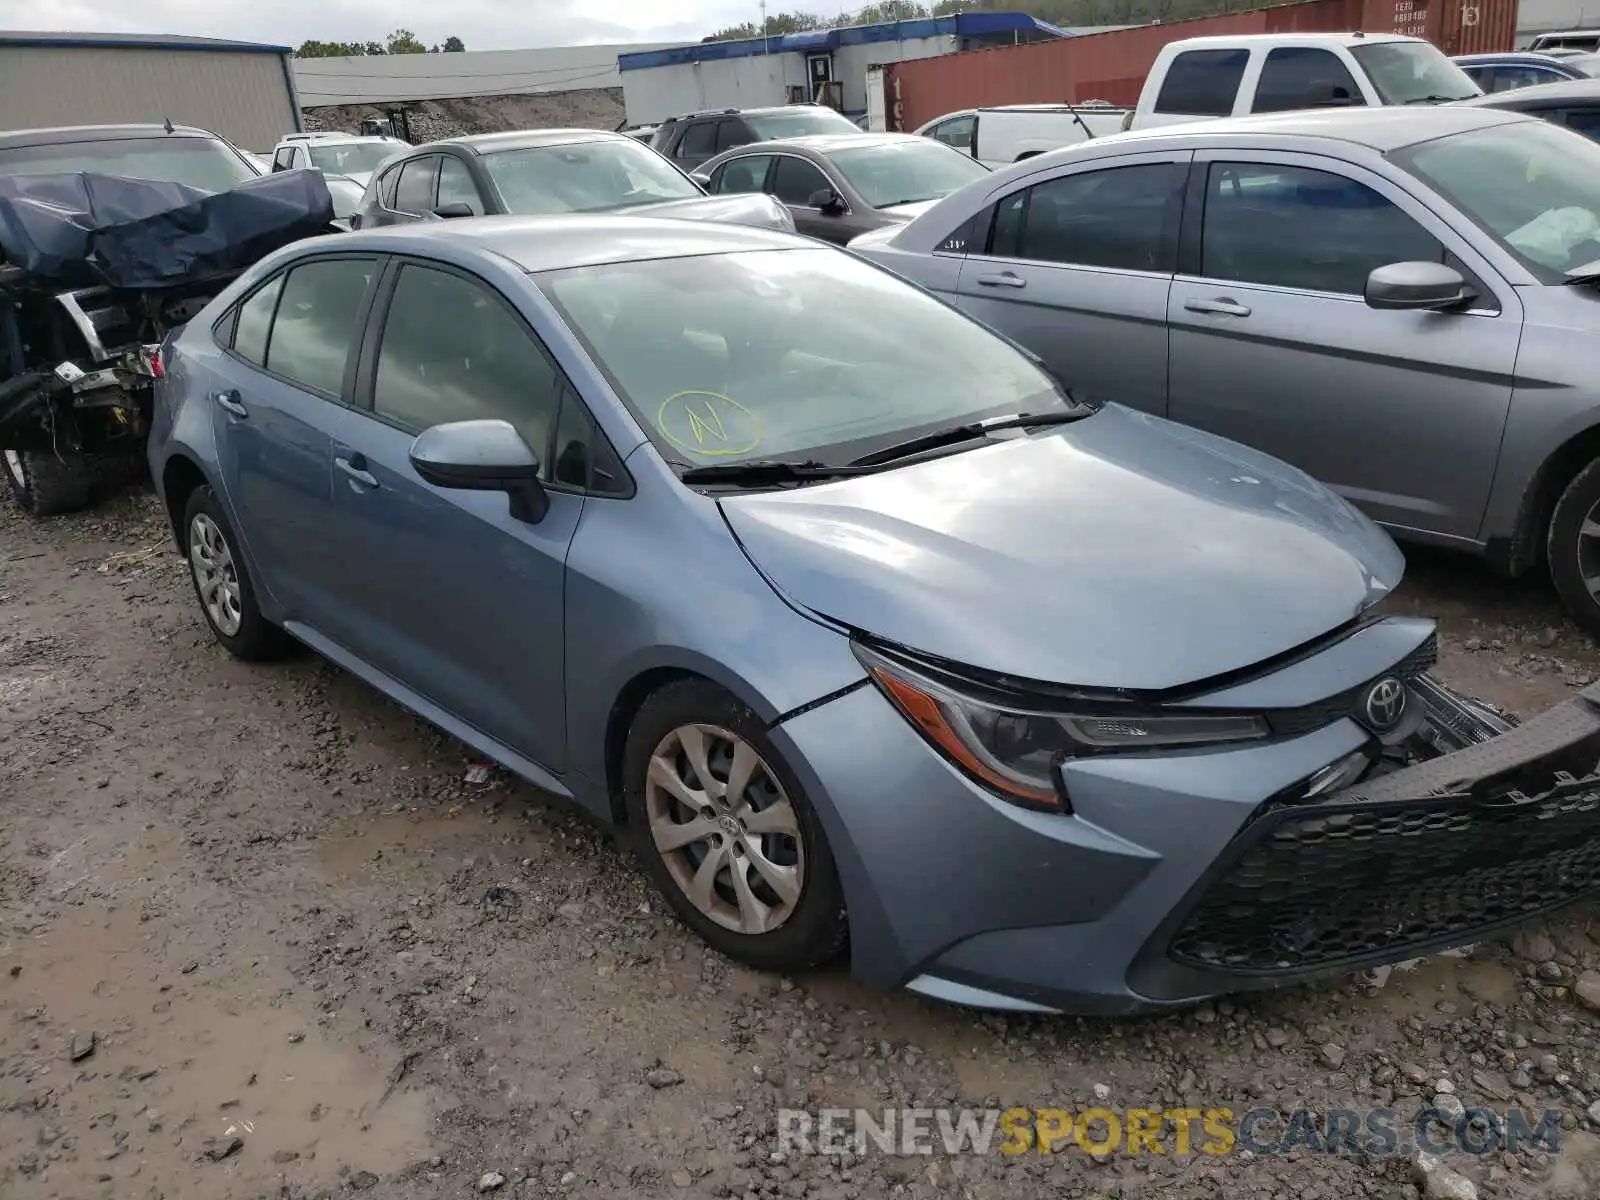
pixel 1202 83
pixel 742 174
pixel 796 181
pixel 1294 227
pixel 453 351
pixel 414 193
pixel 456 186
pixel 317 322
pixel 1123 218
pixel 255 322
pixel 1295 77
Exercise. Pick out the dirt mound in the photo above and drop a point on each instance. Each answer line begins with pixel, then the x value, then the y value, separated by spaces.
pixel 590 108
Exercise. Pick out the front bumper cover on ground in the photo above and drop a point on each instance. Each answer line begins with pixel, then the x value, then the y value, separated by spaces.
pixel 1396 866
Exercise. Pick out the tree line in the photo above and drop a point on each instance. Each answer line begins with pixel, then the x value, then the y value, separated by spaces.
pixel 1054 12
pixel 401 41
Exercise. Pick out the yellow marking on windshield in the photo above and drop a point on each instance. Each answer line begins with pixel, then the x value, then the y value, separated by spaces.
pixel 708 424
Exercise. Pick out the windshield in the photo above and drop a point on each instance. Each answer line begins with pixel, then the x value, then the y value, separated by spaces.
pixel 1534 186
pixel 585 177
pixel 351 158
pixel 204 163
pixel 1413 73
pixel 906 172
pixel 788 354
pixel 801 121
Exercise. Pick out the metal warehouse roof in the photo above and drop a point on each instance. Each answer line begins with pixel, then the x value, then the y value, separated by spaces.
pixel 978 24
pixel 135 41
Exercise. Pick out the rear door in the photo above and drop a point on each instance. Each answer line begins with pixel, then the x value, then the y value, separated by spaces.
pixel 1075 264
pixel 287 367
pixel 1274 345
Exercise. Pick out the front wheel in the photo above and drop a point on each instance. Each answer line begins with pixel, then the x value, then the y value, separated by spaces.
pixel 45 485
pixel 1573 548
pixel 726 832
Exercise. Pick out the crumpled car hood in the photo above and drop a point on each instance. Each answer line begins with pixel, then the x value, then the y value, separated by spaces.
pixel 1122 551
pixel 744 208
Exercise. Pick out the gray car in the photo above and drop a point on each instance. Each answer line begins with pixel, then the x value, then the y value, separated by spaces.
pixel 857 626
pixel 837 187
pixel 1402 302
pixel 546 172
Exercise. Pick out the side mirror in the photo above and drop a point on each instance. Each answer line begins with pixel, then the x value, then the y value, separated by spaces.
pixel 828 200
pixel 1417 285
pixel 482 456
pixel 701 178
pixel 458 209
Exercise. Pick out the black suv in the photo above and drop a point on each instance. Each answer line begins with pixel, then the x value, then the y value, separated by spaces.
pixel 693 139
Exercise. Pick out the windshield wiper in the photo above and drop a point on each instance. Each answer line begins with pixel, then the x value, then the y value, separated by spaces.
pixel 956 434
pixel 1436 99
pixel 766 470
pixel 1588 273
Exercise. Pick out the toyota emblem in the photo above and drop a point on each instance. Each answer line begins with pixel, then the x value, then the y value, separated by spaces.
pixel 1385 704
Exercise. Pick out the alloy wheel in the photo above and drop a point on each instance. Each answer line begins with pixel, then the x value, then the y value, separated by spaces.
pixel 216 577
pixel 725 828
pixel 1589 551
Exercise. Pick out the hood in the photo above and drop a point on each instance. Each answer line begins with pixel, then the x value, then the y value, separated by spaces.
pixel 1122 551
pixel 907 212
pixel 744 208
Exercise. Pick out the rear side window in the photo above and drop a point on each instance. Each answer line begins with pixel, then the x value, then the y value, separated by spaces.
pixel 699 141
pixel 414 193
pixel 1124 218
pixel 1202 83
pixel 731 133
pixel 255 322
pixel 1295 77
pixel 317 322
pixel 1509 78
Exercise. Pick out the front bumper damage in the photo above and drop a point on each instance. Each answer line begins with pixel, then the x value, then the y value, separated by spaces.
pixel 1502 829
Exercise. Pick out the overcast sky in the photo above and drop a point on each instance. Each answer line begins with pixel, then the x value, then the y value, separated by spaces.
pixel 481 24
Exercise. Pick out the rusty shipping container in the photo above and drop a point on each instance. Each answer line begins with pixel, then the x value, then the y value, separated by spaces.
pixel 1112 66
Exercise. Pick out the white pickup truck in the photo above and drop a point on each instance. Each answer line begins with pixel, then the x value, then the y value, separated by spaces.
pixel 1199 78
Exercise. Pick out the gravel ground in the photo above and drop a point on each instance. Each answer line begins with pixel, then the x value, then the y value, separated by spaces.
pixel 262 935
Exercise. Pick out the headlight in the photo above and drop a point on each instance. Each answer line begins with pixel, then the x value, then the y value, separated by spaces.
pixel 1016 751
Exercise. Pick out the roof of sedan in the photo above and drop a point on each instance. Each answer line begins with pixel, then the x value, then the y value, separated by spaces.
pixel 1540 95
pixel 1382 129
pixel 579 240
pixel 827 143
pixel 525 139
pixel 94 133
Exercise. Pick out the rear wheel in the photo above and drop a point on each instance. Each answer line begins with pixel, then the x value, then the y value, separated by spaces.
pixel 1573 548
pixel 45 485
pixel 222 583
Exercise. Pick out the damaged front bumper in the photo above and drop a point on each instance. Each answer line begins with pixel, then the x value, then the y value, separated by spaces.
pixel 118 387
pixel 1502 828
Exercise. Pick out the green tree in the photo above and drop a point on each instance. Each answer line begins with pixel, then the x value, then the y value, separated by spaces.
pixel 778 24
pixel 454 45
pixel 403 41
pixel 315 49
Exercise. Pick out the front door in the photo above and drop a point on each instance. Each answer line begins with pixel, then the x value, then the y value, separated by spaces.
pixel 795 181
pixel 284 372
pixel 1274 346
pixel 454 597
pixel 1076 266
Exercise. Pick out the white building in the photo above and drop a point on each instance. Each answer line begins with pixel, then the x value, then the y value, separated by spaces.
pixel 400 78
pixel 828 64
pixel 1555 16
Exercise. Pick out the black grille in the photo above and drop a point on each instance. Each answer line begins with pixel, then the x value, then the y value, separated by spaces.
pixel 1316 888
pixel 1292 721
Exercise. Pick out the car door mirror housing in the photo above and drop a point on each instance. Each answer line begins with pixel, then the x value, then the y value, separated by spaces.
pixel 1417 285
pixel 701 178
pixel 458 209
pixel 482 456
pixel 828 200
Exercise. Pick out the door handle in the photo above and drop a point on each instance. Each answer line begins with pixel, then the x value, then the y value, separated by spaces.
pixel 1221 305
pixel 1004 279
pixel 356 467
pixel 229 402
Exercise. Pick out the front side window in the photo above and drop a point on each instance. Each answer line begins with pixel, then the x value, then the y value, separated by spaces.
pixel 1298 228
pixel 283 159
pixel 955 133
pixel 255 323
pixel 803 120
pixel 699 141
pixel 317 322
pixel 456 186
pixel 1296 77
pixel 1532 185
pixel 585 177
pixel 804 353
pixel 414 193
pixel 1413 73
pixel 747 174
pixel 198 162
pixel 1121 218
pixel 795 181
pixel 1202 83
pixel 453 351
pixel 906 172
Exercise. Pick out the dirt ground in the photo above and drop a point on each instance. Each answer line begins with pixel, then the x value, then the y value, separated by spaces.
pixel 261 937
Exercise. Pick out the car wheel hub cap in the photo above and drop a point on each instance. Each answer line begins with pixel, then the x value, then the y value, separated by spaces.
pixel 1589 551
pixel 216 577
pixel 14 462
pixel 725 828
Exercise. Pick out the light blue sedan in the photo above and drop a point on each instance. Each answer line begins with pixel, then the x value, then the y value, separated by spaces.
pixel 848 615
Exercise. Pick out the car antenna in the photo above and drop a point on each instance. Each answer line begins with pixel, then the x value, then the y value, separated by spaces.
pixel 1088 134
pixel 166 123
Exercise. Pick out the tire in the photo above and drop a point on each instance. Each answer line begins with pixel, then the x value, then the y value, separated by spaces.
pixel 47 486
pixel 805 931
pixel 211 550
pixel 1571 555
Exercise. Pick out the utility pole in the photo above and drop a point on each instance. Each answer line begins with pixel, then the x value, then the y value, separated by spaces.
pixel 766 47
